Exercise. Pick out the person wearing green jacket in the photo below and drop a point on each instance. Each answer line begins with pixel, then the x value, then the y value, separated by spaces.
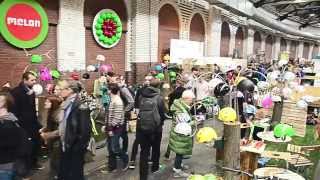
pixel 179 143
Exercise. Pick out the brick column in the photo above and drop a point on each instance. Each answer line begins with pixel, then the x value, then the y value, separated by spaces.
pixel 214 33
pixel 71 36
pixel 310 51
pixel 300 49
pixel 276 48
pixel 249 43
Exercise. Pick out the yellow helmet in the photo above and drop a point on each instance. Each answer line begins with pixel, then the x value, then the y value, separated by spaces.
pixel 227 114
pixel 206 134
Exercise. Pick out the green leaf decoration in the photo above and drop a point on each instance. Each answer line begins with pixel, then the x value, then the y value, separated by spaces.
pixel 55 74
pixel 101 37
pixel 119 29
pixel 36 58
pixel 118 35
pixel 104 16
pixel 108 15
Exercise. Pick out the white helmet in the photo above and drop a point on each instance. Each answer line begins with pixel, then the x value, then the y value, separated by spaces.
pixel 183 128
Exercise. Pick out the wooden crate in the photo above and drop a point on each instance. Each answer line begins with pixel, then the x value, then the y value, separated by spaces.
pixel 294 116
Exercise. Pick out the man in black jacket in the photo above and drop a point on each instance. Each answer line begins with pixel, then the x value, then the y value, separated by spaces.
pixel 74 131
pixel 150 138
pixel 25 110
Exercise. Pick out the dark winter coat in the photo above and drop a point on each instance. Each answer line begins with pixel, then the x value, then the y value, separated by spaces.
pixel 78 128
pixel 25 110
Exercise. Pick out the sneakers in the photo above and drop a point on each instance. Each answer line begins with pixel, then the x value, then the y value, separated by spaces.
pixel 132 165
pixel 185 167
pixel 109 171
pixel 38 167
pixel 125 168
pixel 178 173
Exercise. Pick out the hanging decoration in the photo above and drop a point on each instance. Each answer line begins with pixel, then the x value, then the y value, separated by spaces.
pixel 45 74
pixel 104 68
pixel 107 28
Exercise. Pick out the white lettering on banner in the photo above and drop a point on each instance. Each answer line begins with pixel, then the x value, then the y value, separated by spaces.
pixel 23 22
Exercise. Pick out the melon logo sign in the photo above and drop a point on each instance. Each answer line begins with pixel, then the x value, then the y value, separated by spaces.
pixel 24 23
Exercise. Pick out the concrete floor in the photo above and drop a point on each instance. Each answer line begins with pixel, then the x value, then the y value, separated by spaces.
pixel 201 162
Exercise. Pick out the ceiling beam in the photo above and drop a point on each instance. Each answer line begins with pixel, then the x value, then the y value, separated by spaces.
pixel 292 2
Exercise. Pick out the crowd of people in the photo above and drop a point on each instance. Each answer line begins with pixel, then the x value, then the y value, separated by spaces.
pixel 68 128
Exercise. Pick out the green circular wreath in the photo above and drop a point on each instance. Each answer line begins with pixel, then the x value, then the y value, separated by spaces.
pixel 107 28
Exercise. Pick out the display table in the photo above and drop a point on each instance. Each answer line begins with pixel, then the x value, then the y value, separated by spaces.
pixel 249 156
pixel 277 172
pixel 268 136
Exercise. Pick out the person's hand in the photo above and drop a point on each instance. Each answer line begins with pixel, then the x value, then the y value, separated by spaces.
pixel 110 133
pixel 42 130
pixel 47 104
pixel 45 137
pixel 103 129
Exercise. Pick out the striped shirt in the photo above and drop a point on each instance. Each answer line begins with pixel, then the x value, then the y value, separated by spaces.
pixel 115 113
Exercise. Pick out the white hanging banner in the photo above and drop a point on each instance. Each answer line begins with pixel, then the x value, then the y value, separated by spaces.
pixel 184 49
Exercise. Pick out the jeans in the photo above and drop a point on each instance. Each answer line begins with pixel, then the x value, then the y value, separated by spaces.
pixel 6 175
pixel 148 141
pixel 115 150
pixel 178 161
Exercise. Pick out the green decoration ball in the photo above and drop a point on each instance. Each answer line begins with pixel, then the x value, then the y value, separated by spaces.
pixel 210 177
pixel 98 26
pixel 114 38
pixel 99 32
pixel 160 76
pixel 101 37
pixel 289 131
pixel 119 29
pixel 109 42
pixel 55 74
pixel 282 130
pixel 100 20
pixel 172 74
pixel 103 16
pixel 36 58
pixel 108 15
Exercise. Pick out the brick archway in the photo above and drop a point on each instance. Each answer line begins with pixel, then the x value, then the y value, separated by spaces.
pixel 283 45
pixel 239 41
pixel 225 40
pixel 256 42
pixel 168 28
pixel 197 28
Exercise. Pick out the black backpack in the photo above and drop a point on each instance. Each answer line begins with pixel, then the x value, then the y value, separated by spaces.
pixel 149 117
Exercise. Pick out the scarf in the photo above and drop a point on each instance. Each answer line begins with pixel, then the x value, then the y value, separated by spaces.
pixel 63 116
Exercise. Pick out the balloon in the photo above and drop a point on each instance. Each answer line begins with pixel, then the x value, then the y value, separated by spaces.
pixel 227 114
pixel 196 177
pixel 289 76
pixel 91 68
pixel 263 85
pixel 244 84
pixel 206 134
pixel 35 58
pixel 273 75
pixel 55 74
pixel 86 76
pixel 160 76
pixel 103 16
pixel 286 92
pixel 172 74
pixel 100 57
pixel 38 89
pixel 282 62
pixel 100 20
pixel 45 74
pixel 158 67
pixel 282 130
pixel 267 102
pixel 210 177
pixel 108 15
pixel 98 26
pixel 105 68
pixel 99 32
pixel 75 76
pixel 302 104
